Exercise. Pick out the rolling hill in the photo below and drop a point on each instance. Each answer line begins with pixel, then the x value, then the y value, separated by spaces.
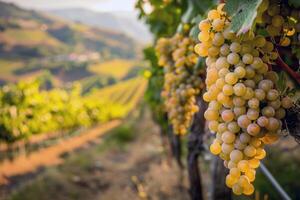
pixel 125 22
pixel 28 33
pixel 32 41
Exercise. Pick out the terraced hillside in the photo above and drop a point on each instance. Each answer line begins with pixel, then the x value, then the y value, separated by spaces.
pixel 31 42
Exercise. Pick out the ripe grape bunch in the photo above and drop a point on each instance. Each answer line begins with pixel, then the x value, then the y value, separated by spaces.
pixel 245 109
pixel 182 81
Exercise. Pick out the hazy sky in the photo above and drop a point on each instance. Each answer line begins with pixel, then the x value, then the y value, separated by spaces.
pixel 100 5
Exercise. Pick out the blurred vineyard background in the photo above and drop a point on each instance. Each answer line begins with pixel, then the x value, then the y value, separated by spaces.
pixel 68 76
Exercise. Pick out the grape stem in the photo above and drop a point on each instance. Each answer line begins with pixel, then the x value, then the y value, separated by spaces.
pixel 286 68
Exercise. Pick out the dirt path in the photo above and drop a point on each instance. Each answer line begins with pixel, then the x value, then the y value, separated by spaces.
pixel 50 156
pixel 136 171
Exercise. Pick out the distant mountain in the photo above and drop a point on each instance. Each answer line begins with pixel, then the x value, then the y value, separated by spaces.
pixel 125 22
pixel 29 34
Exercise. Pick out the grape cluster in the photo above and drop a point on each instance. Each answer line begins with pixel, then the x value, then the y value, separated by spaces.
pixel 182 81
pixel 281 21
pixel 245 109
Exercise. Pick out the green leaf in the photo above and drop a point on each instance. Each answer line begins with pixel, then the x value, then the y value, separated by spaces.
pixel 195 30
pixel 295 3
pixel 243 14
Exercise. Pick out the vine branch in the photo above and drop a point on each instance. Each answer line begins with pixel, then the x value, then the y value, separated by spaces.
pixel 286 68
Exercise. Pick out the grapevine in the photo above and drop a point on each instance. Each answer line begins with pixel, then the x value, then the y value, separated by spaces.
pixel 245 108
pixel 251 53
pixel 182 80
pixel 27 110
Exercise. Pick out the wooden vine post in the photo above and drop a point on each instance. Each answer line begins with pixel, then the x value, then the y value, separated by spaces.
pixel 195 147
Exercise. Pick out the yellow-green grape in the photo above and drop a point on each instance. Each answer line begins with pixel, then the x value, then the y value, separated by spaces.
pixel 245 108
pixel 248 190
pixel 277 20
pixel 215 148
pixel 182 81
pixel 237 189
pixel 231 180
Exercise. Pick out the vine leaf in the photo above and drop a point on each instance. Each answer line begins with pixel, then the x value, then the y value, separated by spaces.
pixel 295 3
pixel 243 14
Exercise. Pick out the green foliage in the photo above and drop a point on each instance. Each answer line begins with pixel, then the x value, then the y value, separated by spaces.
pixel 155 85
pixel 243 14
pixel 283 166
pixel 26 110
pixel 121 135
pixel 295 3
pixel 165 16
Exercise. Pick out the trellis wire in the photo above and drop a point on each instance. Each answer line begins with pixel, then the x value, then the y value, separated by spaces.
pixel 273 181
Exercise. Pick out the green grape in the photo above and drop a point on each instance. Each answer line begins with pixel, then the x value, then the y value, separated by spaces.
pixel 235 47
pixel 218 24
pixel 245 138
pixel 236 156
pixel 231 78
pixel 239 89
pixel 228 137
pixel 277 21
pixel 233 58
pixel 224 50
pixel 247 58
pixel 222 63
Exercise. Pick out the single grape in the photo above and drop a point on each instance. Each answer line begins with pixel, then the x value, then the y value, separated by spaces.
pixel 235 47
pixel 287 102
pixel 262 121
pixel 222 63
pixel 233 58
pixel 247 58
pixel 236 156
pixel 224 50
pixel 228 137
pixel 277 21
pixel 204 25
pixel 231 78
pixel 227 90
pixel 213 14
pixel 253 129
pixel 215 148
pixel 239 89
pixel 245 137
pixel 227 148
pixel 250 151
pixel 218 24
pixel 240 72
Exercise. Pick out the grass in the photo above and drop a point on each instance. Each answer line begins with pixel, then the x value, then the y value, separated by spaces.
pixel 119 137
pixel 29 37
pixel 117 68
